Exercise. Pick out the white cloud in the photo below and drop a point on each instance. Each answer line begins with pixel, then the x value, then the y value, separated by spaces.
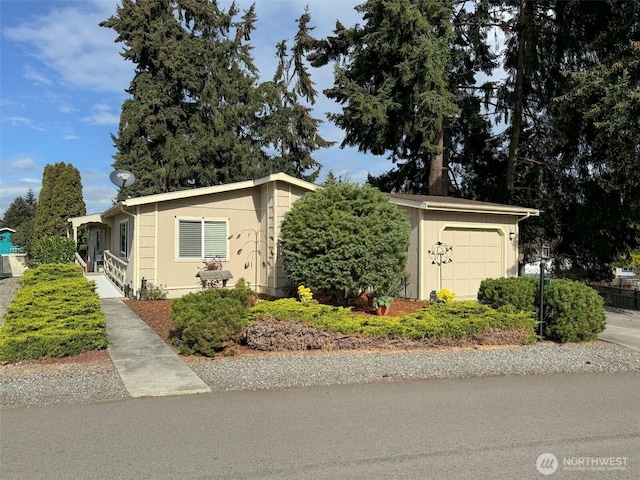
pixel 38 78
pixel 97 190
pixel 69 41
pixel 17 121
pixel 70 136
pixel 12 189
pixel 102 116
pixel 23 164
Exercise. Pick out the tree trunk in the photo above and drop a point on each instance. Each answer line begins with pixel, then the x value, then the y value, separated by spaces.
pixel 516 123
pixel 437 181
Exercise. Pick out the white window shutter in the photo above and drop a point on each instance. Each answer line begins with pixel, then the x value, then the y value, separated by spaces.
pixel 190 239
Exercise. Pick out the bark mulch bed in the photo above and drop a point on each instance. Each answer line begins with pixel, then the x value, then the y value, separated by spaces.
pixel 272 335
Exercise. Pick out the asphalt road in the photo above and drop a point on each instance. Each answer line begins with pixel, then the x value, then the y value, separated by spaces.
pixel 492 427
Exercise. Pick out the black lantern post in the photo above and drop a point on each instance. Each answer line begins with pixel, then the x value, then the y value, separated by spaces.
pixel 544 256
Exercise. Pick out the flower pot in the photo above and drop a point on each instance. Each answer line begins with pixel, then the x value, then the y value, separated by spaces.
pixel 382 310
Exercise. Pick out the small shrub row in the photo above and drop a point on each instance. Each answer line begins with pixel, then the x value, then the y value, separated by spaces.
pixel 54 314
pixel 207 322
pixel 577 311
pixel 453 319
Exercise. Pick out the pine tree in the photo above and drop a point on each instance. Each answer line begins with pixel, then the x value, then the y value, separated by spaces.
pixel 594 169
pixel 60 199
pixel 21 210
pixel 288 127
pixel 190 121
pixel 391 77
pixel 570 146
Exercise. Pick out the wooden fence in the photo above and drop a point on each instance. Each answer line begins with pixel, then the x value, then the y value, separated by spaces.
pixel 619 297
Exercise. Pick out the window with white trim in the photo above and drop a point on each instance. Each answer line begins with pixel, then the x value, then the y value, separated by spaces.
pixel 124 239
pixel 199 239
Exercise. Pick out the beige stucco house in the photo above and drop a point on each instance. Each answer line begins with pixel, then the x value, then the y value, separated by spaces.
pixel 164 238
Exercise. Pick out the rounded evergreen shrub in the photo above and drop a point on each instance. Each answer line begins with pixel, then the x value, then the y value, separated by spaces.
pixel 207 322
pixel 578 313
pixel 576 310
pixel 52 250
pixel 49 272
pixel 344 239
pixel 519 292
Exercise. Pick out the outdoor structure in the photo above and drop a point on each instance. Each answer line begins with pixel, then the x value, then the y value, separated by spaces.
pixel 164 238
pixel 12 258
pixel 456 243
pixel 6 247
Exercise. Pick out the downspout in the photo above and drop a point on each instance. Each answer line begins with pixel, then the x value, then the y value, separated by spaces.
pixel 135 269
pixel 517 241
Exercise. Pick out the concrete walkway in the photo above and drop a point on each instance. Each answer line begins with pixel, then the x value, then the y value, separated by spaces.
pixel 104 287
pixel 147 366
pixel 623 328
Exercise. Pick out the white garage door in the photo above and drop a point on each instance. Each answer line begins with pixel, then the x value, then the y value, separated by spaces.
pixel 477 254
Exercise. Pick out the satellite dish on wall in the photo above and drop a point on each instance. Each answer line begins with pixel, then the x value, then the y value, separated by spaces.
pixel 122 178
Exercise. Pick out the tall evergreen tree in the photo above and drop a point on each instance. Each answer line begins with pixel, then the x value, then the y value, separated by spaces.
pixel 190 121
pixel 19 217
pixel 21 210
pixel 391 77
pixel 60 199
pixel 288 127
pixel 597 100
pixel 566 150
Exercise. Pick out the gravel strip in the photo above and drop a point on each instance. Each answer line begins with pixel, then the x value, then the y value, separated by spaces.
pixel 30 384
pixel 8 289
pixel 38 385
pixel 297 370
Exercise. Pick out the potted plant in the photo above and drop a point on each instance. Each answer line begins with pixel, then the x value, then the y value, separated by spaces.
pixel 382 304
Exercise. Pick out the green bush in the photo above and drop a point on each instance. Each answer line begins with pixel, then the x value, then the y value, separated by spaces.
pixel 52 250
pixel 207 322
pixel 452 320
pixel 519 292
pixel 154 292
pixel 51 318
pixel 577 311
pixel 49 272
pixel 345 239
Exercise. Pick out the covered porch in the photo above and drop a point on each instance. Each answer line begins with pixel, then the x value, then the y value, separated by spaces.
pixel 98 259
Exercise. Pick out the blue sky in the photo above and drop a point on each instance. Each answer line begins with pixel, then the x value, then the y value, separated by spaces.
pixel 62 83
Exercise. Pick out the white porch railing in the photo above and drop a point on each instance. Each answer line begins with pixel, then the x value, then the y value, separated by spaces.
pixel 115 269
pixel 80 261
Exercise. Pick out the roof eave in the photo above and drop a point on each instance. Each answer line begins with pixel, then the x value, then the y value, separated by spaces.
pixel 462 208
pixel 196 192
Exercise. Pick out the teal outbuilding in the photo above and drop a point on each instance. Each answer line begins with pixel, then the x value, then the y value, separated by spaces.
pixel 6 247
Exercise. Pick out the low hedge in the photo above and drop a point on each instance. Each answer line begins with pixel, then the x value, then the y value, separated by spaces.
pixel 208 321
pixel 453 320
pixel 51 318
pixel 577 310
pixel 50 272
